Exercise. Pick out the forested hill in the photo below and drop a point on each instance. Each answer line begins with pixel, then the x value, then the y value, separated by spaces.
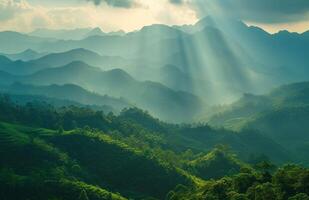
pixel 78 153
pixel 281 115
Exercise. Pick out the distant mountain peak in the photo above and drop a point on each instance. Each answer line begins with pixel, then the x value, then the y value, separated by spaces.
pixel 218 21
pixel 120 73
pixel 80 50
pixel 158 28
pixel 208 20
pixel 4 60
pixel 29 51
pixel 95 32
pixel 78 64
pixel 76 53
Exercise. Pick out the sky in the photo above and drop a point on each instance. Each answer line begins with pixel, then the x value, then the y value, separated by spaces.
pixel 129 15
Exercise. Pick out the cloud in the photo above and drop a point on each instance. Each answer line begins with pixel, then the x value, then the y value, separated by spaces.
pixel 116 3
pixel 9 8
pixel 263 11
pixel 20 15
pixel 177 2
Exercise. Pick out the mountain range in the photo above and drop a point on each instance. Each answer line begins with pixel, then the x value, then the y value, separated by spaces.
pixel 281 115
pixel 212 110
pixel 227 54
pixel 151 96
pixel 215 56
pixel 67 92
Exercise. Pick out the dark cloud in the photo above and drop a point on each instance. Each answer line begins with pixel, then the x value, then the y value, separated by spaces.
pixel 266 11
pixel 116 3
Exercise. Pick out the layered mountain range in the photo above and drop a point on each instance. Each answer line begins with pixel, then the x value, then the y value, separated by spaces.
pixel 202 111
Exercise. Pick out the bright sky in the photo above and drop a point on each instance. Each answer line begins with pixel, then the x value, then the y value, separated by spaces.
pixel 128 15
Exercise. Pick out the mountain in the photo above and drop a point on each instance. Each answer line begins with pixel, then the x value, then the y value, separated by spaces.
pixel 114 160
pixel 77 152
pixel 13 42
pixel 214 165
pixel 145 130
pixel 156 32
pixel 119 33
pixel 219 49
pixel 287 96
pixel 23 99
pixel 209 59
pixel 67 92
pixel 74 34
pixel 98 32
pixel 106 163
pixel 80 54
pixel 4 60
pixel 26 55
pixel 20 67
pixel 155 97
pixel 127 46
pixel 216 50
pixel 36 157
pixel 95 32
pixel 177 79
pixel 281 115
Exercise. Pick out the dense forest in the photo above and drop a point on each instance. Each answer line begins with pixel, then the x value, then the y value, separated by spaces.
pixel 73 152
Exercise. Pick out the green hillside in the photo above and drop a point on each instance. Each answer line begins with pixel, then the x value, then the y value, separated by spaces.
pixel 32 168
pixel 78 153
pixel 281 115
pixel 286 182
pixel 65 159
pixel 216 164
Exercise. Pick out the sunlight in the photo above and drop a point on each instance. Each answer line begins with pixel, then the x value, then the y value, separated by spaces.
pixel 154 99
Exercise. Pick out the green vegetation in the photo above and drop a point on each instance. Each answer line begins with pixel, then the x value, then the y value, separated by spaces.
pixel 288 182
pixel 216 164
pixel 282 116
pixel 78 153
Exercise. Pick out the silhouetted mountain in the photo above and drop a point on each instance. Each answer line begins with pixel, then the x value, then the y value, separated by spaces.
pixel 84 55
pixel 23 99
pixel 74 34
pixel 4 61
pixel 26 55
pixel 13 42
pixel 67 92
pixel 218 51
pixel 156 32
pixel 20 67
pixel 98 32
pixel 95 32
pixel 156 98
